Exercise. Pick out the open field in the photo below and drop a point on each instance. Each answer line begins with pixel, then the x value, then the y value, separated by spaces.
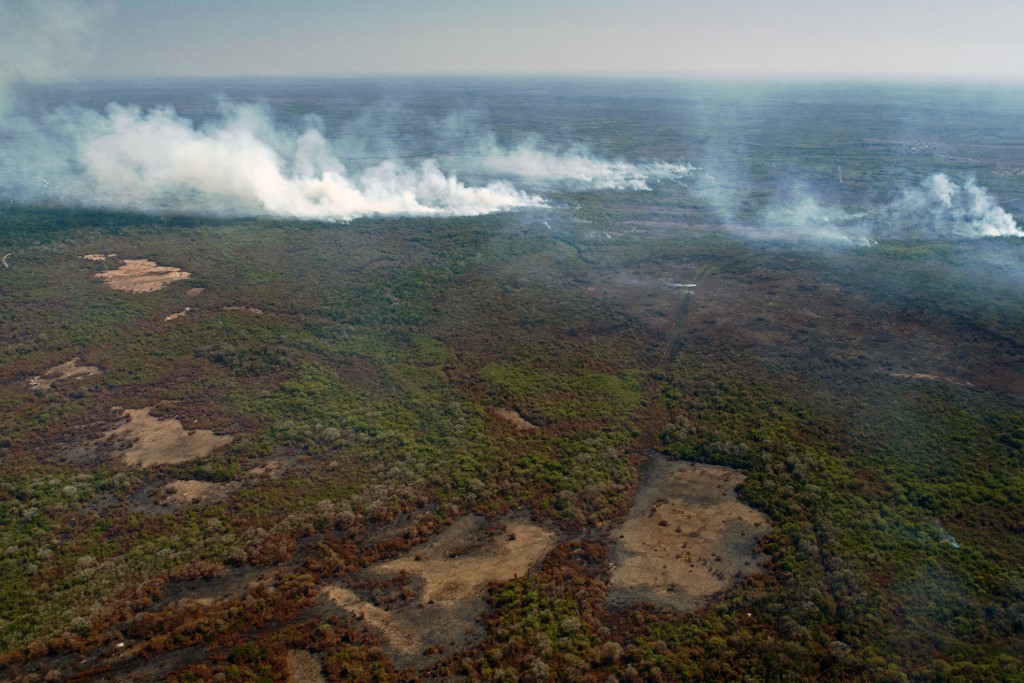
pixel 686 538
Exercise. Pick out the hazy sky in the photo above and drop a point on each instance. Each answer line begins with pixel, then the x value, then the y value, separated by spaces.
pixel 930 39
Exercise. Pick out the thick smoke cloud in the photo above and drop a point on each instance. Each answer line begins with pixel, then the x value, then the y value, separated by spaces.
pixel 940 207
pixel 242 164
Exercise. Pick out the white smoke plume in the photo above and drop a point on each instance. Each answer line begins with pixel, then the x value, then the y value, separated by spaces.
pixel 242 164
pixel 940 207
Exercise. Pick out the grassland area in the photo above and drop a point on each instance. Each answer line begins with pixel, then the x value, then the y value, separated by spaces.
pixel 245 466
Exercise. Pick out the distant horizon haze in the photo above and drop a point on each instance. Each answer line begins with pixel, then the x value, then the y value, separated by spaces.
pixel 910 40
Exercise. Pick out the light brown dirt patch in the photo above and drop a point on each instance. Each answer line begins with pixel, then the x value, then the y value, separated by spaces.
pixel 68 370
pixel 445 583
pixel 686 538
pixel 160 442
pixel 188 491
pixel 141 275
pixel 244 309
pixel 304 667
pixel 929 377
pixel 179 314
pixel 517 420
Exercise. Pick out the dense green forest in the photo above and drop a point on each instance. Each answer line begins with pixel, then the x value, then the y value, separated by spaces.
pixel 871 396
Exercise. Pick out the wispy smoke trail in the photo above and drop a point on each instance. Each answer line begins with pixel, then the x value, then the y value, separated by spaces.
pixel 809 220
pixel 578 167
pixel 39 39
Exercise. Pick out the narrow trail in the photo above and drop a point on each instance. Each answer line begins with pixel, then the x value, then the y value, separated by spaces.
pixel 684 308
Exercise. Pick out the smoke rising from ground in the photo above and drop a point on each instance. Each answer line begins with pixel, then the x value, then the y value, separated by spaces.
pixel 940 207
pixel 936 208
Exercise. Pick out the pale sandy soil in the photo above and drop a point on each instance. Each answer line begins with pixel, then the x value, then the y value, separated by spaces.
pixel 686 538
pixel 304 667
pixel 98 257
pixel 179 314
pixel 68 370
pixel 195 291
pixel 447 580
pixel 141 275
pixel 271 468
pixel 516 419
pixel 930 377
pixel 158 442
pixel 188 491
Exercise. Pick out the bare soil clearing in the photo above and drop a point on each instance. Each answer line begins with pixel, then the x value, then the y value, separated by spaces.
pixel 244 309
pixel 141 275
pixel 686 538
pixel 304 667
pixel 159 442
pixel 443 584
pixel 929 377
pixel 68 370
pixel 189 491
pixel 517 420
pixel 180 314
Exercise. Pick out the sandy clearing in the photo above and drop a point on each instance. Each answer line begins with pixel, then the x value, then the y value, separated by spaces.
pixel 188 491
pixel 141 275
pixel 159 442
pixel 929 377
pixel 304 667
pixel 403 637
pixel 686 538
pixel 447 580
pixel 98 257
pixel 517 420
pixel 180 314
pixel 68 370
pixel 244 309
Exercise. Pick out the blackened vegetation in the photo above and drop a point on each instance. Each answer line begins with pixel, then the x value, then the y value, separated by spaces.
pixel 878 420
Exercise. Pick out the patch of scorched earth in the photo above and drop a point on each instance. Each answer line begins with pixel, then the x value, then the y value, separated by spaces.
pixel 446 582
pixel 68 370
